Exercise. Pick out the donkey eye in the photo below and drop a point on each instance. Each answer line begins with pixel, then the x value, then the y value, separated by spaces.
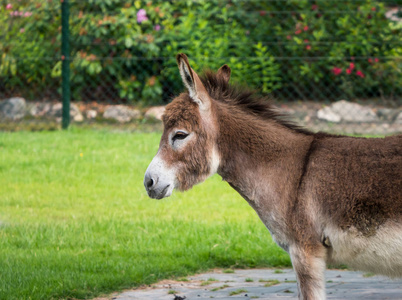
pixel 180 135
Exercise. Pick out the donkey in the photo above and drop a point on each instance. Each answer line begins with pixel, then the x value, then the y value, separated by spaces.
pixel 325 199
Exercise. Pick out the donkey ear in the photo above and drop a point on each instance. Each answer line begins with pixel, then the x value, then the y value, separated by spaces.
pixel 192 82
pixel 186 73
pixel 224 72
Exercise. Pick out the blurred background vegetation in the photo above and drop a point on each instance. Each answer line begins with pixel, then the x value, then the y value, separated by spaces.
pixel 124 51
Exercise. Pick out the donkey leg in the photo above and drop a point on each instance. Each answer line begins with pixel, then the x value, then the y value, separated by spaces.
pixel 309 265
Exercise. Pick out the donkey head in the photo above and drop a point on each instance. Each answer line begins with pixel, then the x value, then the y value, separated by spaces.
pixel 187 152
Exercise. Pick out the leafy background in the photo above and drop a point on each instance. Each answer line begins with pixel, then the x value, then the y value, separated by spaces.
pixel 123 51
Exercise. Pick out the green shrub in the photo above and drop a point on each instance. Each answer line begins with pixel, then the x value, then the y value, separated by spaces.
pixel 331 37
pixel 124 50
pixel 212 33
pixel 29 47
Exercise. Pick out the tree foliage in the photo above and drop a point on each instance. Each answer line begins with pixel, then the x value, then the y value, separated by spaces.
pixel 124 50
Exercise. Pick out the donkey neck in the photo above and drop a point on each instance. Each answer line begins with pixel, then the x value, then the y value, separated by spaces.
pixel 261 159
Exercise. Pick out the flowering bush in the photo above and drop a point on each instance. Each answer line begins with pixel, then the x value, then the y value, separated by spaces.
pixel 344 47
pixel 28 47
pixel 124 50
pixel 113 45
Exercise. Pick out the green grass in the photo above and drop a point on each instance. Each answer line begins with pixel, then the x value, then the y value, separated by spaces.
pixel 228 271
pixel 182 279
pixel 220 288
pixel 75 220
pixel 236 292
pixel 208 282
pixel 271 282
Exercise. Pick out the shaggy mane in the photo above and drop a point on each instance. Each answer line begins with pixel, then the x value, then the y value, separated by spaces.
pixel 246 99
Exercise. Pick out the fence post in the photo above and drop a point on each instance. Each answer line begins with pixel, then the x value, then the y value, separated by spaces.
pixel 65 57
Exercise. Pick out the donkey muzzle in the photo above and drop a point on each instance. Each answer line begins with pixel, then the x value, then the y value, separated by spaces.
pixel 159 180
pixel 154 189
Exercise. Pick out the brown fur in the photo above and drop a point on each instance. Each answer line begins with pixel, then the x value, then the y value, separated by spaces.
pixel 311 190
pixel 341 158
pixel 193 163
pixel 358 180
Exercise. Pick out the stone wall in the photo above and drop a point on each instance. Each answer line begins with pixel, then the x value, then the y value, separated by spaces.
pixel 338 117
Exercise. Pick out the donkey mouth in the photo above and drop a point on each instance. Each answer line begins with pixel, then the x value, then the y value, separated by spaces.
pixel 159 194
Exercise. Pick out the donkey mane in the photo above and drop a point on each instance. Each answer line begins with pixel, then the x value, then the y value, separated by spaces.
pixel 247 100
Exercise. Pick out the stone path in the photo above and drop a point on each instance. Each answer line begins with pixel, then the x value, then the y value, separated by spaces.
pixel 267 284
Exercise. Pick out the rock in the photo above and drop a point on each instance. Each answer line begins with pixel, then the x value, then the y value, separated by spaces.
pixel 56 110
pixel 398 119
pixel 387 114
pixel 121 113
pixel 40 109
pixel 353 112
pixel 75 113
pixel 155 112
pixel 78 117
pixel 327 114
pixel 347 112
pixel 13 108
pixel 91 114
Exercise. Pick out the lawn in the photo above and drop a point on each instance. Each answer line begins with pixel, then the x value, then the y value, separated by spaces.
pixel 75 220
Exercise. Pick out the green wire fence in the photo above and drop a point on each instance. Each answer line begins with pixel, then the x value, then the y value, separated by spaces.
pixel 123 52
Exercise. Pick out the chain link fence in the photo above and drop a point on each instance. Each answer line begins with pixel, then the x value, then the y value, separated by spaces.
pixel 123 52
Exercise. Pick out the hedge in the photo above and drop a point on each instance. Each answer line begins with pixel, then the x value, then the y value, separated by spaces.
pixel 123 51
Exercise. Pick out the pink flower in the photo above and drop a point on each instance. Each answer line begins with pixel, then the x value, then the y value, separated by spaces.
pixel 22 30
pixel 373 9
pixel 308 47
pixel 352 58
pixel 348 71
pixel 306 41
pixel 370 60
pixel 314 7
pixel 360 73
pixel 351 66
pixel 336 71
pixel 27 14
pixel 298 31
pixel 9 6
pixel 141 16
pixel 376 59
pixel 305 28
pixel 157 27
pixel 289 37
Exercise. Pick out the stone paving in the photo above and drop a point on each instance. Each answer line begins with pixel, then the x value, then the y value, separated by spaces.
pixel 267 284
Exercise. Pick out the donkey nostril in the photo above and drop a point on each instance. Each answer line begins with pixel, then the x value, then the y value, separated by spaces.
pixel 150 183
